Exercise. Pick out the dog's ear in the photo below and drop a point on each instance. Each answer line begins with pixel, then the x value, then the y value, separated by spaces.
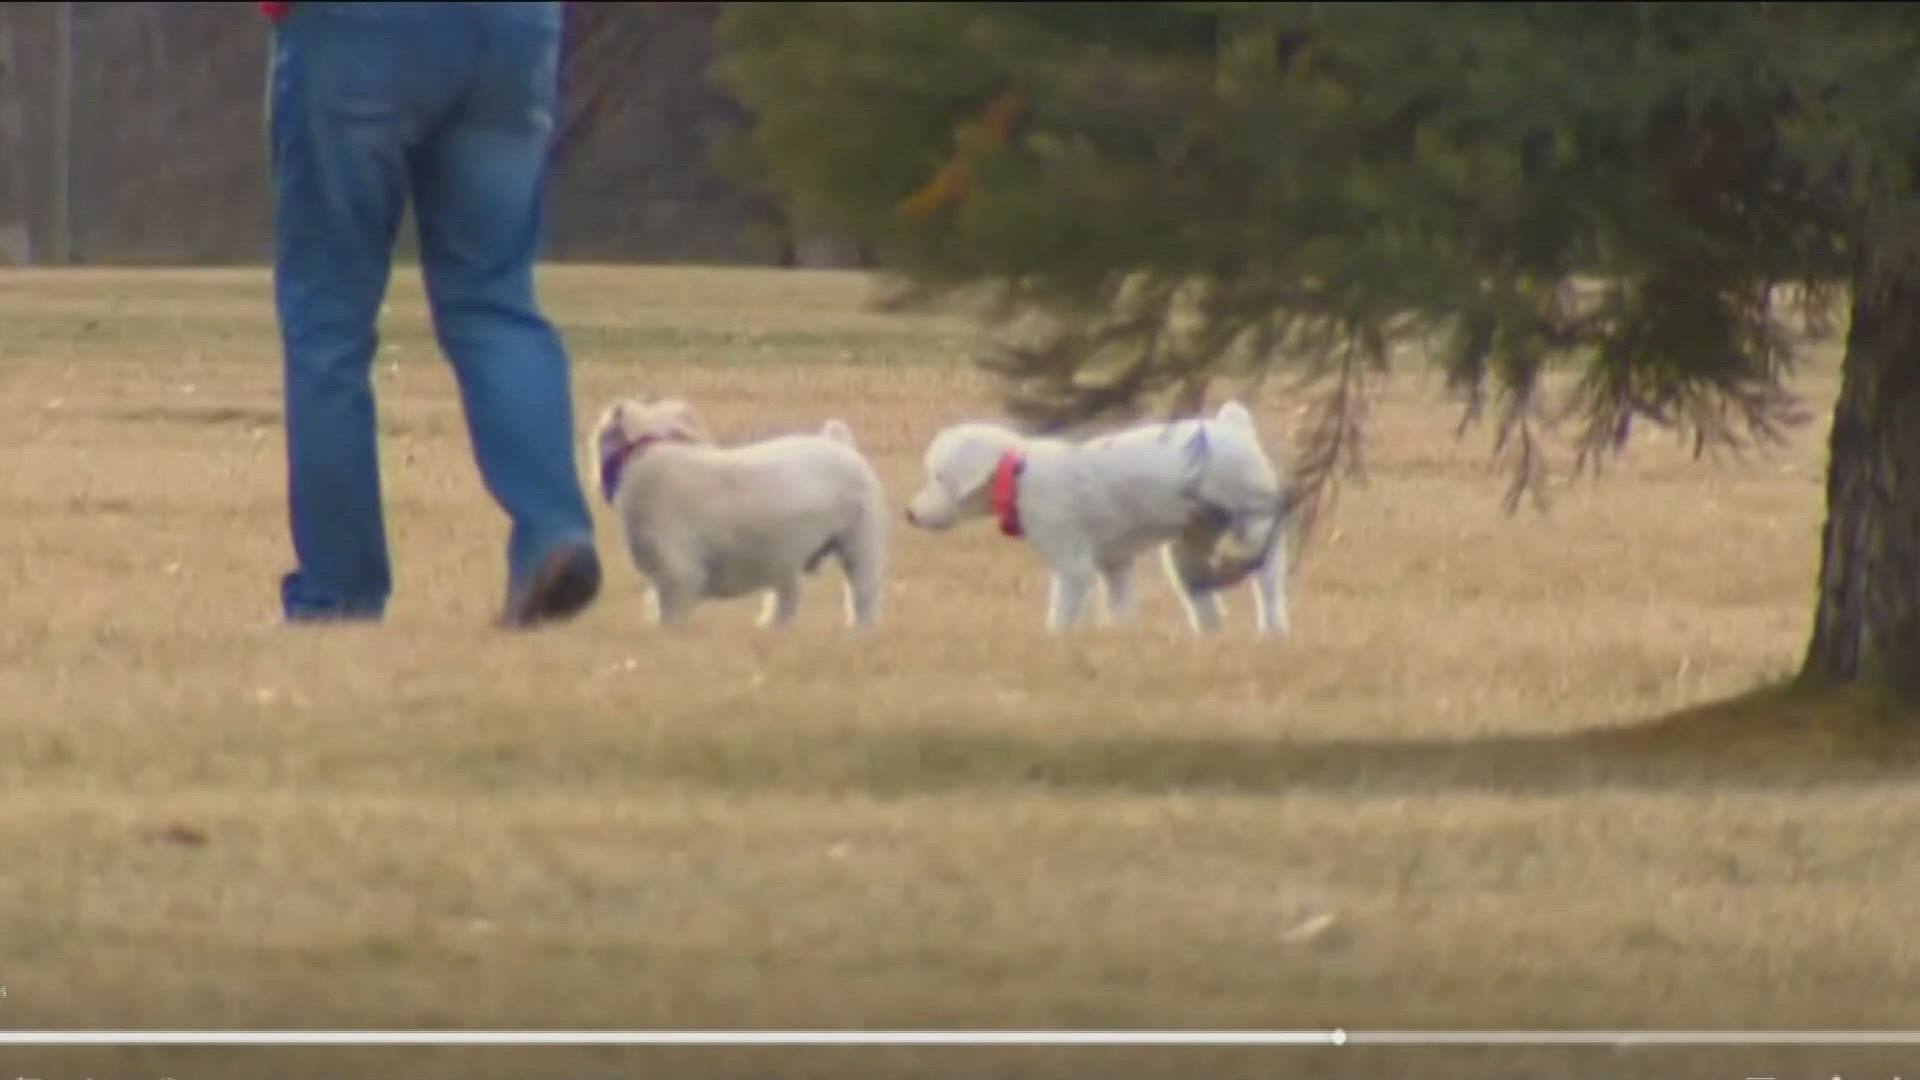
pixel 612 418
pixel 972 461
pixel 608 432
pixel 1198 453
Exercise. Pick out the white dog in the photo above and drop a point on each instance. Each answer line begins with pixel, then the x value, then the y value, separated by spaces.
pixel 1092 507
pixel 705 522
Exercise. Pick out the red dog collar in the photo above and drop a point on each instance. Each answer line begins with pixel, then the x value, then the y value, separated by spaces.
pixel 1006 491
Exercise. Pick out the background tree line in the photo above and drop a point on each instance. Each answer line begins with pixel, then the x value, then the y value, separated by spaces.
pixel 155 135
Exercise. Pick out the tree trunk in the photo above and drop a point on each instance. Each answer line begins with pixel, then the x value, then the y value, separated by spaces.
pixel 1867 622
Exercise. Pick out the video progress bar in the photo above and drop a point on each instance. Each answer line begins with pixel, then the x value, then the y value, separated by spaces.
pixel 799 1038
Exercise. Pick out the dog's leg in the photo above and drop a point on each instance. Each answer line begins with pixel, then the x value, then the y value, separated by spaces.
pixel 674 600
pixel 1270 592
pixel 1187 566
pixel 863 559
pixel 679 581
pixel 863 601
pixel 1117 576
pixel 1071 586
pixel 782 604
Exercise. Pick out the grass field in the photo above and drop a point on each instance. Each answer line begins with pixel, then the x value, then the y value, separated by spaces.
pixel 1481 786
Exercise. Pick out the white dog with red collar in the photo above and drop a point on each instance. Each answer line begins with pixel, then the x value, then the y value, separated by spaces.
pixel 707 522
pixel 1091 508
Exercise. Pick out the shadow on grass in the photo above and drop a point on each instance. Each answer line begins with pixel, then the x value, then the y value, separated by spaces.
pixel 1773 738
pixel 218 416
pixel 193 415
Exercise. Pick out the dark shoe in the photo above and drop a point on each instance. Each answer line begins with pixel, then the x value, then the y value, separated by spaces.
pixel 323 618
pixel 564 583
pixel 302 604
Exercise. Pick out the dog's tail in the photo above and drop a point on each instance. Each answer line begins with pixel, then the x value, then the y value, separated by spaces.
pixel 1235 414
pixel 1231 414
pixel 1223 569
pixel 838 431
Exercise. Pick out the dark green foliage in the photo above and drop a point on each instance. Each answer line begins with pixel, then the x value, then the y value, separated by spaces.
pixel 1195 191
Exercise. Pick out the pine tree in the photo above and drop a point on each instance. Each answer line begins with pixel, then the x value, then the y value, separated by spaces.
pixel 1631 202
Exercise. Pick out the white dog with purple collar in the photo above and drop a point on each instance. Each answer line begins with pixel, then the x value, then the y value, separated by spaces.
pixel 707 522
pixel 1091 508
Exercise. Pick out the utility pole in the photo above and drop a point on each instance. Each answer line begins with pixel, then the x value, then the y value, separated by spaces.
pixel 62 230
pixel 16 221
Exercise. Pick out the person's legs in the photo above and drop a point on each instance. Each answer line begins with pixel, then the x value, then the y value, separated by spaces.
pixel 344 103
pixel 478 182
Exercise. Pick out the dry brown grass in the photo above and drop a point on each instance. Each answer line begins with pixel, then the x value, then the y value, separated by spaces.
pixel 214 822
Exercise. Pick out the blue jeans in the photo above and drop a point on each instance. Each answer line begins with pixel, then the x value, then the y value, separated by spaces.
pixel 455 103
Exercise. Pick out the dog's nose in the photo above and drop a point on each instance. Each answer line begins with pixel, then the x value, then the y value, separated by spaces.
pixel 911 520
